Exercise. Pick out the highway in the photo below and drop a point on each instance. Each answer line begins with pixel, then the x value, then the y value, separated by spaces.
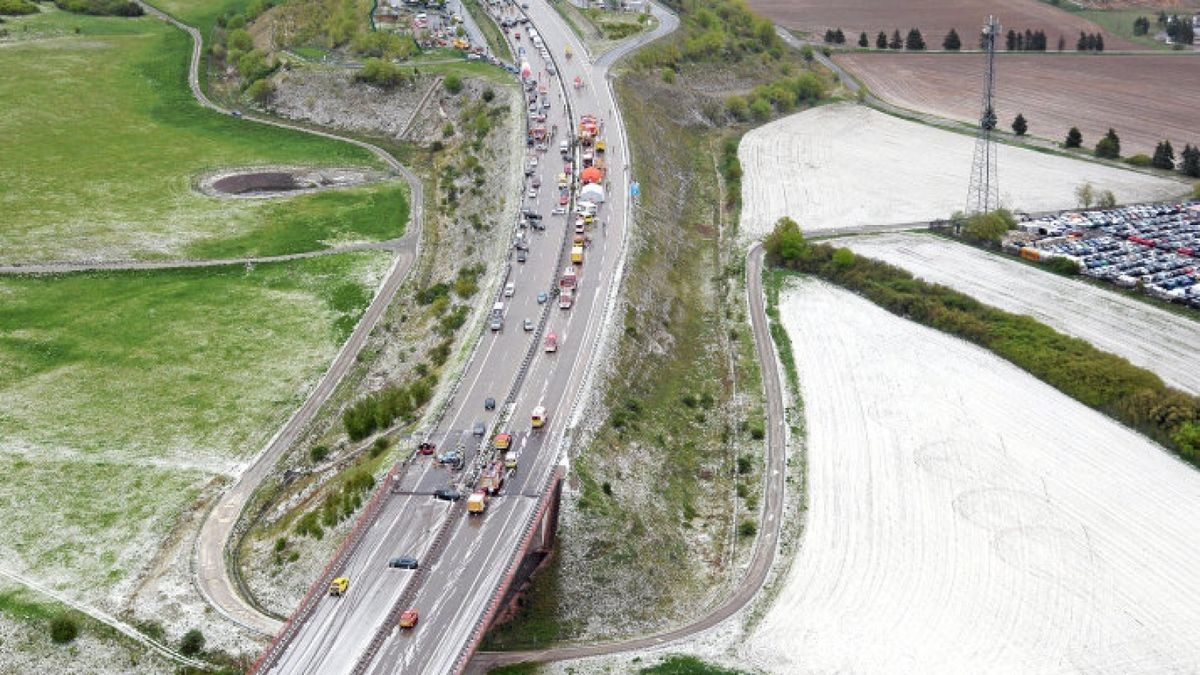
pixel 457 584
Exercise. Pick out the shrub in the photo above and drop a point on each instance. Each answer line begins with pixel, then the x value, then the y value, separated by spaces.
pixel 318 453
pixel 240 40
pixel 17 7
pixel 453 84
pixel 1138 160
pixel 101 7
pixel 747 529
pixel 745 464
pixel 63 629
pixel 380 72
pixel 280 544
pixel 668 75
pixel 988 228
pixel 1064 266
pixel 191 643
pixel 261 90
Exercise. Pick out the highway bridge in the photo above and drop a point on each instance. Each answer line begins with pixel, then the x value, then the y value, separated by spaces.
pixel 467 562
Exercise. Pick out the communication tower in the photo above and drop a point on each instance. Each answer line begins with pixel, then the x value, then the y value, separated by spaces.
pixel 984 193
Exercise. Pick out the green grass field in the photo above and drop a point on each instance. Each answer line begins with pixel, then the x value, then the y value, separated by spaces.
pixel 191 364
pixel 126 392
pixel 1120 22
pixel 103 141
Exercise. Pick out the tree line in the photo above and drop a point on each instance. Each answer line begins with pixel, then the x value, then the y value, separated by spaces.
pixel 1131 395
pixel 1109 147
pixel 1179 29
pixel 1014 41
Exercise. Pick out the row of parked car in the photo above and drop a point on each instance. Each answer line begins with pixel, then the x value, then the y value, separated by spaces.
pixel 1153 247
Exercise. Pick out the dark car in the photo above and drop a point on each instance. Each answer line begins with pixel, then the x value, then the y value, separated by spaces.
pixel 447 494
pixel 522 256
pixel 404 562
pixel 531 214
pixel 478 429
pixel 489 403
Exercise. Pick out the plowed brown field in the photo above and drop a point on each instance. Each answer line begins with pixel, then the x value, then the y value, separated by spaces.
pixel 934 18
pixel 1146 98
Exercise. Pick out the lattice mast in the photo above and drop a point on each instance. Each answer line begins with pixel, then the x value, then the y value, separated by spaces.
pixel 984 193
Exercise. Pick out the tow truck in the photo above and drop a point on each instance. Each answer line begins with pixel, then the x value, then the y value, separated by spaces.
pixel 566 288
pixel 338 586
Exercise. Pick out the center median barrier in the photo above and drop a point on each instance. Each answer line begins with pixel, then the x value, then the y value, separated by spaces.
pixel 305 609
pixel 481 626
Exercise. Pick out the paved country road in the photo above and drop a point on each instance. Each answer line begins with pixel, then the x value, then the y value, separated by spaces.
pixel 211 550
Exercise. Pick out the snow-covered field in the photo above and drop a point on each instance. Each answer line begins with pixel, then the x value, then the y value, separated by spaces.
pixel 1162 342
pixel 843 166
pixel 966 518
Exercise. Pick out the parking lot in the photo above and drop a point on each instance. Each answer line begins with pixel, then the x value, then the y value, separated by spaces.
pixel 1152 247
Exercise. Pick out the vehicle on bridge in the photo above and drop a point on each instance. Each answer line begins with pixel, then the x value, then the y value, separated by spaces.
pixel 492 478
pixel 404 562
pixel 510 459
pixel 552 342
pixel 538 419
pixel 566 288
pixel 447 494
pixel 577 255
pixel 426 448
pixel 503 441
pixel 408 618
pixel 477 502
pixel 338 586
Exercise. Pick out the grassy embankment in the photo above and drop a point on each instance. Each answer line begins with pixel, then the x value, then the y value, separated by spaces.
pixel 126 193
pixel 1129 394
pixel 664 499
pixel 1119 22
pixel 601 29
pixel 38 630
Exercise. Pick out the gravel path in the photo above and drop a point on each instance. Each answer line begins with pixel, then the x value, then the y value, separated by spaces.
pixel 1164 343
pixel 967 518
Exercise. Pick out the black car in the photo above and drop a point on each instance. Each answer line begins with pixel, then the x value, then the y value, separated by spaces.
pixel 405 562
pixel 522 256
pixel 531 214
pixel 489 403
pixel 447 494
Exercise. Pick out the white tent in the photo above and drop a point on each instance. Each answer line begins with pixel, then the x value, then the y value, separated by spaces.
pixel 592 192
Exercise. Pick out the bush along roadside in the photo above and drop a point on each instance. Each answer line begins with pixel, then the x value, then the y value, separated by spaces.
pixel 1131 395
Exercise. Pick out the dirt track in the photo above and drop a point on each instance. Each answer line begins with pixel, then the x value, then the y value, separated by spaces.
pixel 966 518
pixel 1165 343
pixel 1146 98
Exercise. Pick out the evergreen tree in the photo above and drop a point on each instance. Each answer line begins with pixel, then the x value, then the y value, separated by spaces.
pixel 1109 147
pixel 881 40
pixel 1010 40
pixel 1141 26
pixel 1164 156
pixel 1062 43
pixel 896 42
pixel 863 41
pixel 839 37
pixel 1020 42
pixel 1099 46
pixel 914 42
pixel 1190 166
pixel 1028 42
pixel 1074 138
pixel 952 43
pixel 1039 41
pixel 1019 126
pixel 1082 45
pixel 828 36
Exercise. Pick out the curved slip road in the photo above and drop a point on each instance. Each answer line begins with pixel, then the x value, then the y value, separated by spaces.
pixel 210 562
pixel 765 545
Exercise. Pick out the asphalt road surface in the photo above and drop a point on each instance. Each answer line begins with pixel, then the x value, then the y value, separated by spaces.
pixel 765 547
pixel 460 582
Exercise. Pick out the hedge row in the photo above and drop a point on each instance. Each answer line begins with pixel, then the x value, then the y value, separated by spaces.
pixel 1129 394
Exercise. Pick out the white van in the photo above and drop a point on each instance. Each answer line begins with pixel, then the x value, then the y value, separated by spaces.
pixel 509 289
pixel 496 321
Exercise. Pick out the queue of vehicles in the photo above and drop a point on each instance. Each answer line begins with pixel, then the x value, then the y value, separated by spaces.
pixel 589 195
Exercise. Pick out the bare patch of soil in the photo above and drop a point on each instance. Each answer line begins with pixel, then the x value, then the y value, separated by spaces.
pixel 267 182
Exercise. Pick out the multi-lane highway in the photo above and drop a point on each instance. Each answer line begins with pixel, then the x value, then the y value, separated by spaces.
pixel 462 574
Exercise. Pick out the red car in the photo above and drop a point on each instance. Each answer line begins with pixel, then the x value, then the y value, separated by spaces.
pixel 426 448
pixel 408 618
pixel 563 198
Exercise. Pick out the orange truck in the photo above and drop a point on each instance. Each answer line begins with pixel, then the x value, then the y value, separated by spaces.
pixel 492 478
pixel 477 502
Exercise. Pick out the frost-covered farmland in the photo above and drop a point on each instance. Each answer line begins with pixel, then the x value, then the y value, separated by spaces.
pixel 845 165
pixel 966 518
pixel 1165 343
